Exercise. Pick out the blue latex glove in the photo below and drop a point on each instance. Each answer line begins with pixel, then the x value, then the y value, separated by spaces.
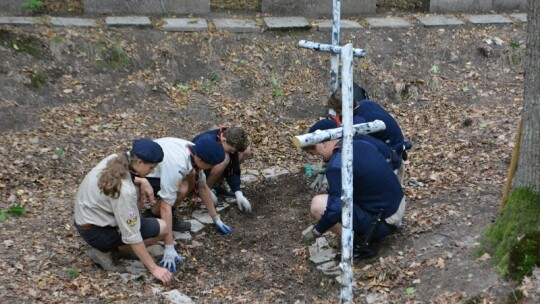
pixel 222 227
pixel 170 257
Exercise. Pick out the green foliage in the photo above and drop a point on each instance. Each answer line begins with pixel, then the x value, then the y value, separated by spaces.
pixel 434 69
pixel 410 291
pixel 112 56
pixel 38 80
pixel 33 5
pixel 514 238
pixel 514 44
pixel 214 78
pixel 73 273
pixel 22 43
pixel 16 210
pixel 78 120
pixel 277 91
pixel 181 87
pixel 207 86
pixel 59 151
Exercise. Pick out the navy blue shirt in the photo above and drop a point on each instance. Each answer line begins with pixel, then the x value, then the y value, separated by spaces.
pixel 375 186
pixel 392 135
pixel 232 172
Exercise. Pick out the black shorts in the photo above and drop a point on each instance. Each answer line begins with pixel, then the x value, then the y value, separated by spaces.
pixel 108 238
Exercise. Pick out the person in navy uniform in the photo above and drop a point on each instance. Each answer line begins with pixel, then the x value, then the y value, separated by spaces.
pixel 377 193
pixel 235 142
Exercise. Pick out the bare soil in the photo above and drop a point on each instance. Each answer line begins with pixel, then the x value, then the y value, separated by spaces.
pixel 71 96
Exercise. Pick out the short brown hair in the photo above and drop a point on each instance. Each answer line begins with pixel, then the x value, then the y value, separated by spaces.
pixel 237 138
pixel 334 101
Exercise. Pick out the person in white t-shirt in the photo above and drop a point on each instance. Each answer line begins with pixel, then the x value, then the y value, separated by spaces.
pixel 179 174
pixel 107 209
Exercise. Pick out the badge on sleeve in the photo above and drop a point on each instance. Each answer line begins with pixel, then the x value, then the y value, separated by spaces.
pixel 133 218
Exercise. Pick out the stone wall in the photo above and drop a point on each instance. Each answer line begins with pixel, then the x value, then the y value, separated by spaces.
pixel 466 6
pixel 316 8
pixel 147 7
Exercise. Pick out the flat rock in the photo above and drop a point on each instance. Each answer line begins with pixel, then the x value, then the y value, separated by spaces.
pixel 391 22
pixel 196 226
pixel 439 20
pixel 18 20
pixel 330 268
pixel 281 23
pixel 76 22
pixel 488 19
pixel 325 25
pixel 184 236
pixel 202 216
pixel 140 21
pixel 322 256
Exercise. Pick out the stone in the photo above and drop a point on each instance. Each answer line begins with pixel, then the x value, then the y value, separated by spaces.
pixel 77 22
pixel 185 25
pixel 273 173
pixel 316 8
pixel 434 20
pixel 455 6
pixel 135 267
pixel 283 23
pixel 182 236
pixel 223 207
pixel 390 22
pixel 488 19
pixel 140 21
pixel 325 25
pixel 176 297
pixel 237 25
pixel 155 251
pixel 18 20
pixel 146 7
pixel 202 216
pixel 322 256
pixel 330 268
pixel 248 178
pixel 196 226
pixel 519 17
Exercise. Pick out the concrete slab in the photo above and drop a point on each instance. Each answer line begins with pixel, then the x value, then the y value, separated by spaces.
pixel 182 236
pixel 316 8
pixel 185 25
pixel 323 256
pixel 519 17
pixel 248 178
pixel 141 21
pixel 283 23
pixel 202 216
pixel 390 22
pixel 237 25
pixel 488 19
pixel 146 6
pixel 196 226
pixel 77 22
pixel 18 20
pixel 325 25
pixel 457 6
pixel 441 20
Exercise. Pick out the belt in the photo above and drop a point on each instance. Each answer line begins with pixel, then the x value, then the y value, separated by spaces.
pixel 86 227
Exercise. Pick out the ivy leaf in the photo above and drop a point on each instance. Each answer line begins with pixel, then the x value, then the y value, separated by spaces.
pixel 410 291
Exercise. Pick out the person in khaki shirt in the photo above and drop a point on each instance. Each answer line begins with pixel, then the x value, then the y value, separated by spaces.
pixel 107 210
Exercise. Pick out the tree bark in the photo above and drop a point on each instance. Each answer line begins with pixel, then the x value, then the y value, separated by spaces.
pixel 528 169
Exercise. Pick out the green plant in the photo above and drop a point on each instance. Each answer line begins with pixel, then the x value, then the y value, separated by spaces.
pixel 181 86
pixel 277 91
pixel 207 86
pixel 214 78
pixel 38 80
pixel 33 5
pixel 16 210
pixel 73 273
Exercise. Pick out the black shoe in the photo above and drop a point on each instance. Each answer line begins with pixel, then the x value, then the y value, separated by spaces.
pixel 181 226
pixel 360 253
pixel 223 191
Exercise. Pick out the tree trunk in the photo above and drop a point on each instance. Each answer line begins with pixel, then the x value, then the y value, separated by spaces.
pixel 528 169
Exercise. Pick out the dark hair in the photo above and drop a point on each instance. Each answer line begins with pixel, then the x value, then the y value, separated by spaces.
pixel 335 100
pixel 237 138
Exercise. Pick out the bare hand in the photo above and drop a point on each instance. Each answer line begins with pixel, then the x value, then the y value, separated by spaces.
pixel 162 274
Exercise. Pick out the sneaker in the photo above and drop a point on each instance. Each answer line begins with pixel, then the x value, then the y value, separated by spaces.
pixel 104 259
pixel 223 191
pixel 181 226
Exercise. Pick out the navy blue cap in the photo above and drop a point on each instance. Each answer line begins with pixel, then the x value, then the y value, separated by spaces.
pixel 323 124
pixel 148 150
pixel 209 150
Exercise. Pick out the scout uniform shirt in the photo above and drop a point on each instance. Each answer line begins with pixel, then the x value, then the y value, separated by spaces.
pixel 94 207
pixel 174 168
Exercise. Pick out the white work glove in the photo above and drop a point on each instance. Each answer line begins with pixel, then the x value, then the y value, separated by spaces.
pixel 170 257
pixel 243 203
pixel 319 182
pixel 222 227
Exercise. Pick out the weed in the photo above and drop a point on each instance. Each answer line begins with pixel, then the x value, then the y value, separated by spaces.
pixel 111 56
pixel 22 43
pixel 38 80
pixel 214 78
pixel 181 87
pixel 16 210
pixel 73 273
pixel 277 91
pixel 33 5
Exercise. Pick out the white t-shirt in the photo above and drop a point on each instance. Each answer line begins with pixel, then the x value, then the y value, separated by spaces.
pixel 94 207
pixel 176 165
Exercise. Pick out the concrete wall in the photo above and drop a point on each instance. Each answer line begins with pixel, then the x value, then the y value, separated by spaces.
pixel 471 6
pixel 146 7
pixel 316 8
pixel 13 7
